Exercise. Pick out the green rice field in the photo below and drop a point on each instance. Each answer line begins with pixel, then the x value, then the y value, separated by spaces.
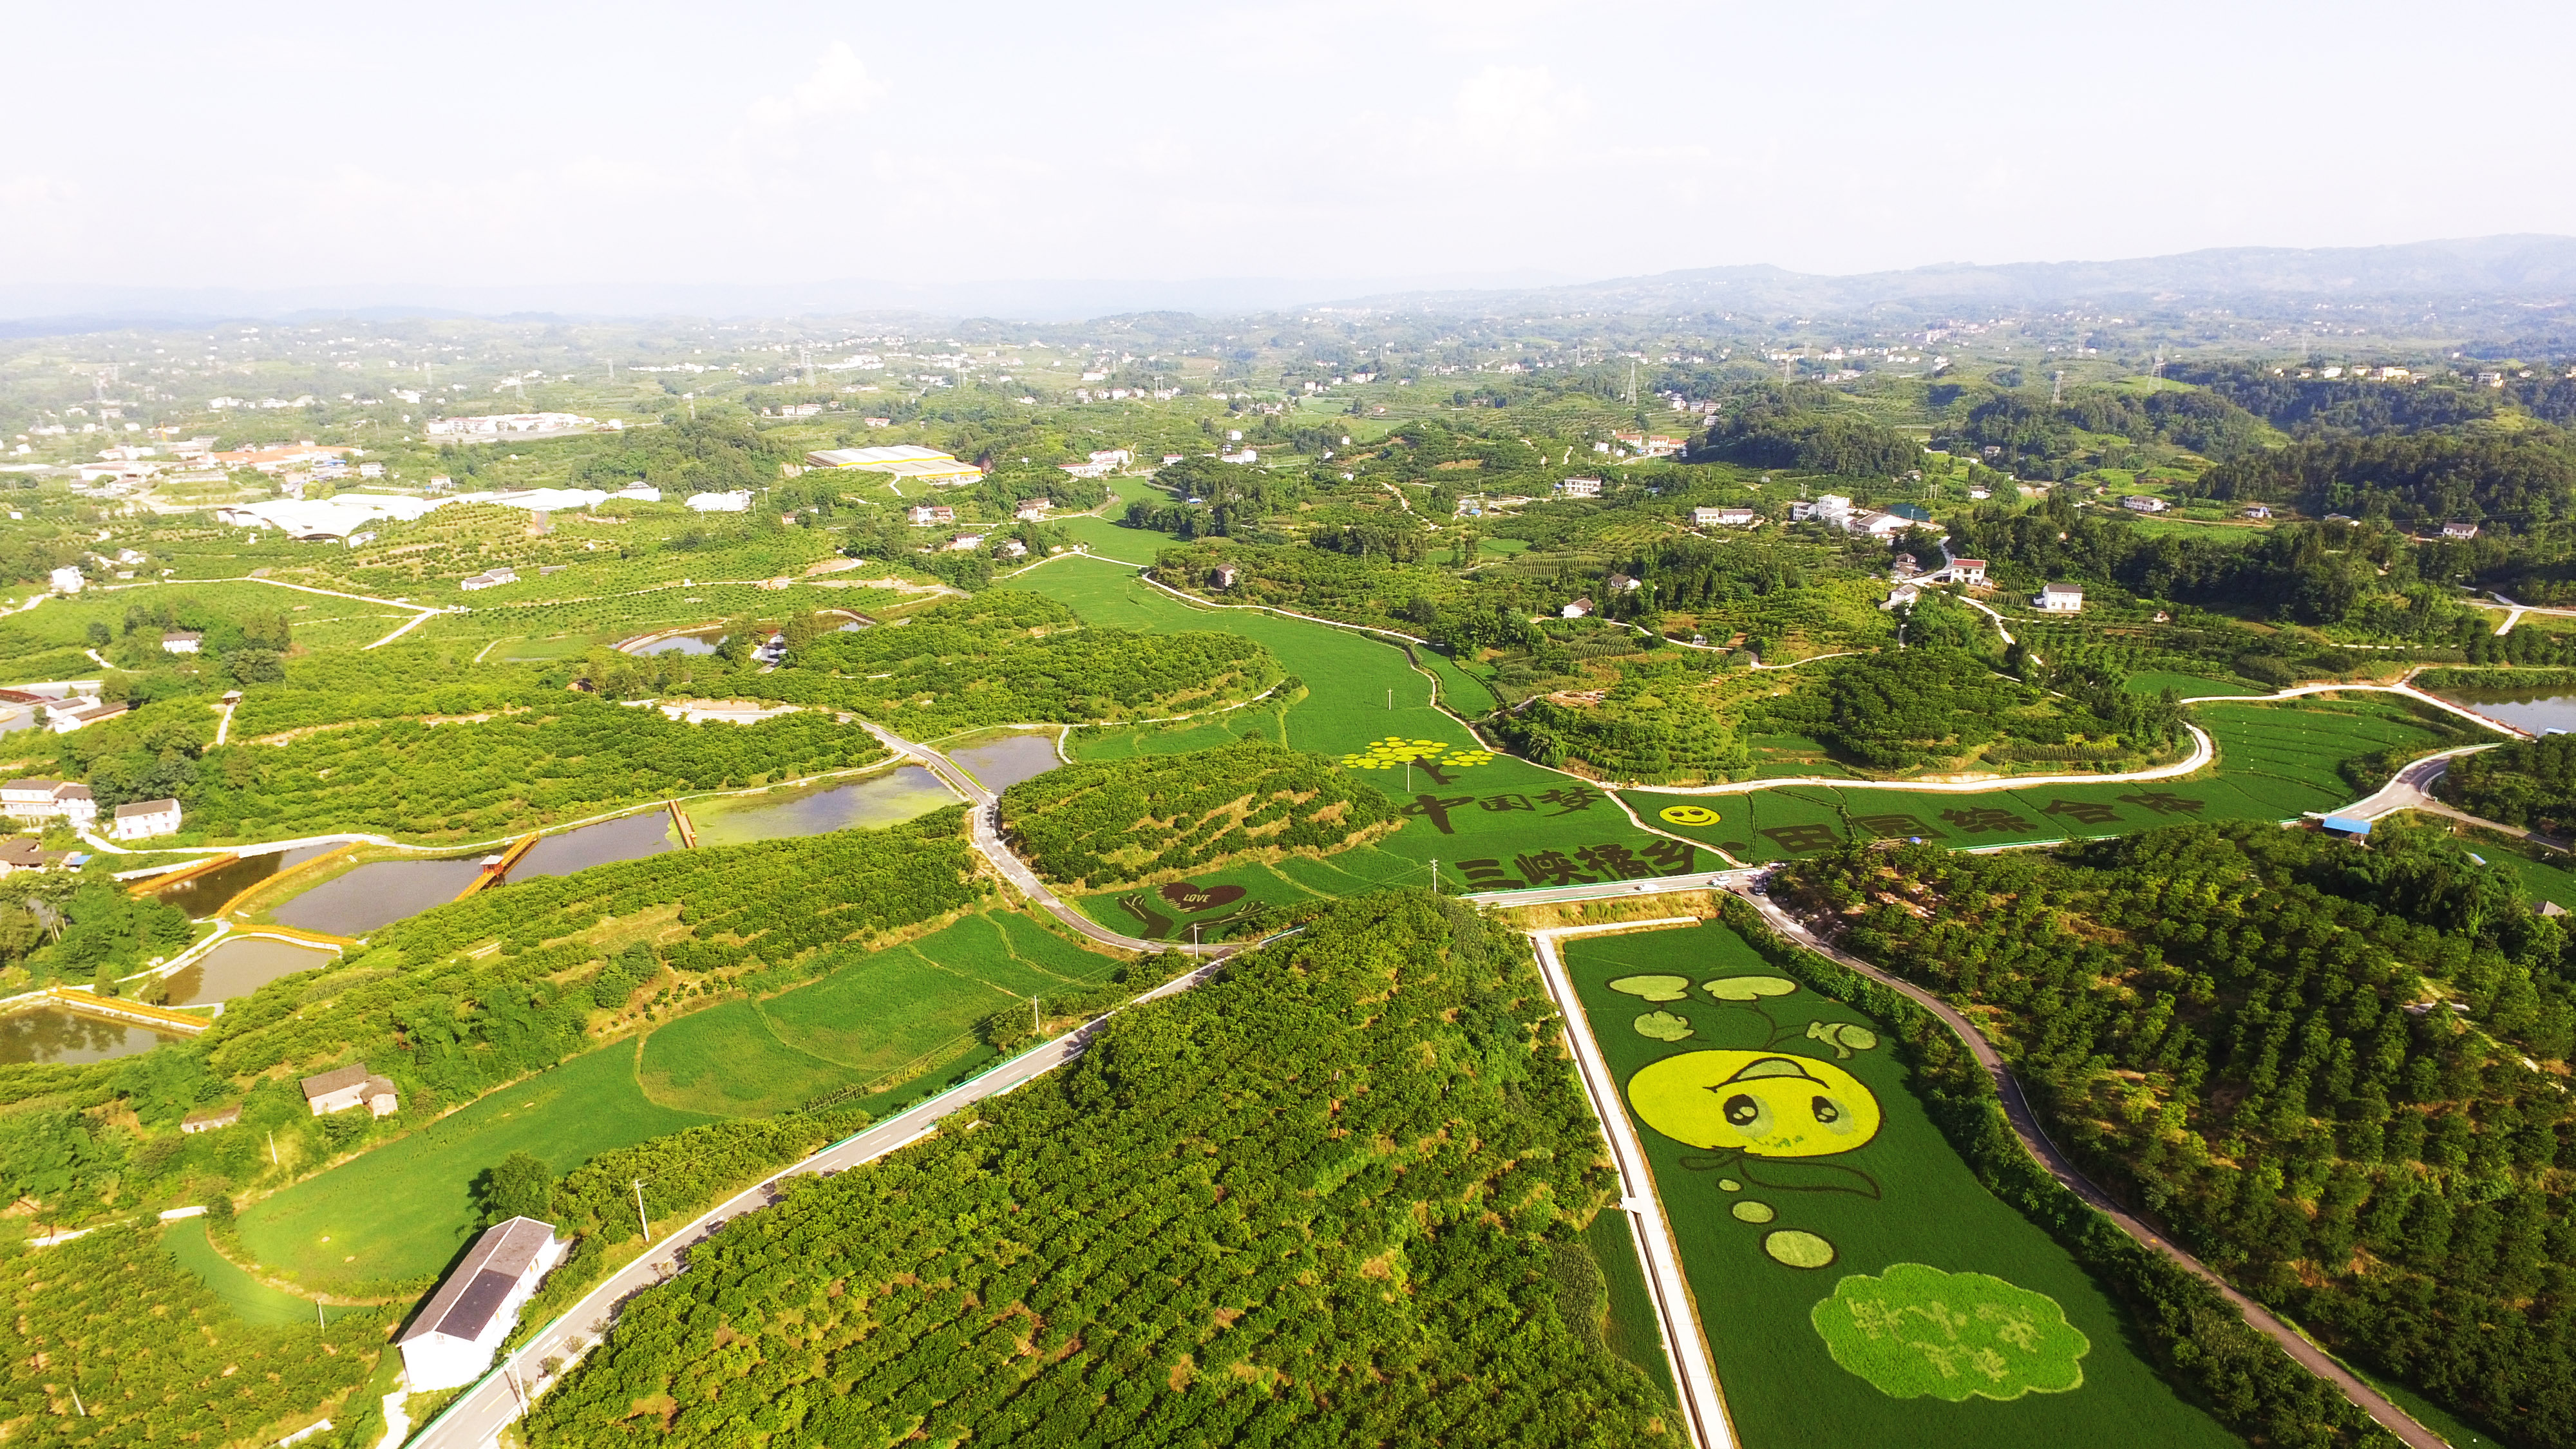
pixel 1855 1282
pixel 878 1020
pixel 399 1213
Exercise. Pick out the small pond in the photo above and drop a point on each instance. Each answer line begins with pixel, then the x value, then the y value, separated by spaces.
pixel 999 764
pixel 51 1034
pixel 701 641
pixel 2533 710
pixel 378 894
pixel 202 896
pixel 625 838
pixel 879 800
pixel 241 966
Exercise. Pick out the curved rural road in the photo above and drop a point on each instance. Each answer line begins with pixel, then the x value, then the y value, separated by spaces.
pixel 2025 1124
pixel 988 842
pixel 2202 752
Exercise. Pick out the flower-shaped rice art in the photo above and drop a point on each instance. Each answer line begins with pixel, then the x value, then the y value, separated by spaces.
pixel 1394 752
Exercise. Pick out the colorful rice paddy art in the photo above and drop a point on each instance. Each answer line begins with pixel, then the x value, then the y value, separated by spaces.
pixel 1186 899
pixel 1917 1332
pixel 1434 758
pixel 1763 1113
pixel 1856 1283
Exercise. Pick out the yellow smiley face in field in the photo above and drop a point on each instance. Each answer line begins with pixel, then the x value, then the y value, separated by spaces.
pixel 1691 815
pixel 1760 1103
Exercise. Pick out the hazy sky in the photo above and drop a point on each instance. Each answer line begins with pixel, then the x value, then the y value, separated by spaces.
pixel 471 143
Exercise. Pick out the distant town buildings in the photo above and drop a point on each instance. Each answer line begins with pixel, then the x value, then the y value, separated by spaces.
pixel 514 424
pixel 450 1344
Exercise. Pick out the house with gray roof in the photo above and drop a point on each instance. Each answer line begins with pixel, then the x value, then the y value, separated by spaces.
pixel 451 1343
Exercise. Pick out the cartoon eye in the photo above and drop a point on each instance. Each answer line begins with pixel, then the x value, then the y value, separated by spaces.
pixel 1742 1111
pixel 1825 1109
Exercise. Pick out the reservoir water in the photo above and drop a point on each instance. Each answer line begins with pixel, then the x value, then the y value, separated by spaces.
pixel 999 764
pixel 626 838
pixel 51 1034
pixel 241 966
pixel 879 800
pixel 202 896
pixel 378 894
pixel 702 641
pixel 2538 711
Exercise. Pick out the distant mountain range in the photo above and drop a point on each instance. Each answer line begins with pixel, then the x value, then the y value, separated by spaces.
pixel 2537 268
pixel 2530 268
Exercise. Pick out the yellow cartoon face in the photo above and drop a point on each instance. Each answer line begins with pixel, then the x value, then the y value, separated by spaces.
pixel 1760 1103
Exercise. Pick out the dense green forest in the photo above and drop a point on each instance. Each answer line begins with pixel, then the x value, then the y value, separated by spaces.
pixel 1650 727
pixel 1328 1198
pixel 2314 1060
pixel 1795 429
pixel 2531 783
pixel 1106 823
pixel 2418 480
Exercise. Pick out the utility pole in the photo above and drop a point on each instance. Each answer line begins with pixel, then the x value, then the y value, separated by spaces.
pixel 272 1150
pixel 639 1211
pixel 1435 875
pixel 2057 388
pixel 1037 1026
pixel 76 1400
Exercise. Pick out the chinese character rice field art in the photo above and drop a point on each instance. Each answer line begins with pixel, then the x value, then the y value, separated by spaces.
pixel 1856 1284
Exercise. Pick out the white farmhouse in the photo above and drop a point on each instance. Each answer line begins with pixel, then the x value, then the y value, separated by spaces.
pixel 2060 599
pixel 451 1343
pixel 181 641
pixel 66 580
pixel 2143 503
pixel 1580 487
pixel 48 800
pixel 146 818
pixel 736 502
pixel 1722 517
pixel 1830 509
pixel 65 718
pixel 346 1087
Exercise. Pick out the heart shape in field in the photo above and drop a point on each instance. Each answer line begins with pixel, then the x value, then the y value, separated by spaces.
pixel 1198 897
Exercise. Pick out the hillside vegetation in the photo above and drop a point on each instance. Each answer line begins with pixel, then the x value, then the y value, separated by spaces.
pixel 1324 1200
pixel 1134 821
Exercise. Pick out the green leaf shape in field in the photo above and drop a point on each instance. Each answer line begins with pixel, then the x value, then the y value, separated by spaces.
pixel 1843 1036
pixel 1653 988
pixel 1916 1330
pixel 1663 1026
pixel 1749 988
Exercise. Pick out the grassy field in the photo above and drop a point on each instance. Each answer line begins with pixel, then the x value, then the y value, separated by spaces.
pixel 1745 1221
pixel 877 1021
pixel 399 1213
pixel 250 1300
pixel 2275 762
pixel 2189 685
